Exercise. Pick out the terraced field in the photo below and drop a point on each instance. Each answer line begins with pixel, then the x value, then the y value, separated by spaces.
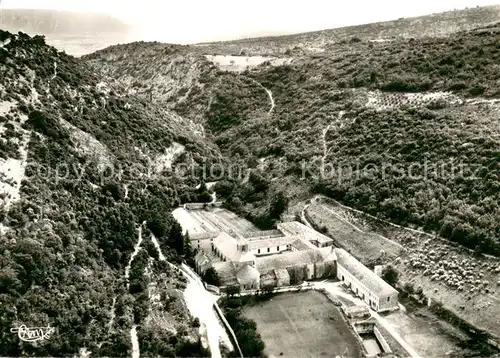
pixel 366 246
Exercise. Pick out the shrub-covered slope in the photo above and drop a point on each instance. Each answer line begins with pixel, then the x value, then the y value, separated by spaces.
pixel 82 165
pixel 162 73
pixel 398 118
pixel 425 158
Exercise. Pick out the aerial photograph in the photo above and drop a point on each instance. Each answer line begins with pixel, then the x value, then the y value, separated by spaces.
pixel 232 179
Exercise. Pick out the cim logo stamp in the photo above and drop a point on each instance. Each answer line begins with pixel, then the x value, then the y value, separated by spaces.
pixel 33 334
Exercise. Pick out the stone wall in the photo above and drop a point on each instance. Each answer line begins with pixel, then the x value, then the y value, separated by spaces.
pixel 382 341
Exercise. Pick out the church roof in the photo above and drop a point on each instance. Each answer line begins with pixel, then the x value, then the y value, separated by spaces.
pixel 248 274
pixel 228 246
pixel 269 242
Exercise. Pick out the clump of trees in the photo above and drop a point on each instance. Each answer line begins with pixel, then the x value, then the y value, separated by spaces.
pixel 245 329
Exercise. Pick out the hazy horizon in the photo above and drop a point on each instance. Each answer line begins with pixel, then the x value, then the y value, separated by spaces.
pixel 194 21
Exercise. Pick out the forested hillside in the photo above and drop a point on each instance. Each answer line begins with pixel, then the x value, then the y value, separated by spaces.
pixel 412 124
pixel 60 22
pixel 162 73
pixel 409 153
pixel 83 165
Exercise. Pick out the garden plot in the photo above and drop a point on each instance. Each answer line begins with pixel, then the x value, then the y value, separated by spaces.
pixel 303 324
pixel 188 223
pixel 209 218
pixel 238 223
pixel 206 223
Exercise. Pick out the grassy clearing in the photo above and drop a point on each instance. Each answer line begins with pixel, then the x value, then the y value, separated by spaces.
pixel 303 325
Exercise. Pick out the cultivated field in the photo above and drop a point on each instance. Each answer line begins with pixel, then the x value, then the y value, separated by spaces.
pixel 241 63
pixel 303 324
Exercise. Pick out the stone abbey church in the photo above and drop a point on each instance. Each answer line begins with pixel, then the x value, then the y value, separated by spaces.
pixel 288 255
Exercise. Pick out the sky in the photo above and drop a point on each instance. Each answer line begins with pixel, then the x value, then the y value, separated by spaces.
pixel 190 21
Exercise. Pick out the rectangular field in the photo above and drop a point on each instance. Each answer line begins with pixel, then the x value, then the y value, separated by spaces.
pixel 237 223
pixel 304 324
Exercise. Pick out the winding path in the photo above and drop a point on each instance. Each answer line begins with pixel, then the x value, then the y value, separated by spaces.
pixel 133 331
pixel 269 94
pixel 271 99
pixel 303 216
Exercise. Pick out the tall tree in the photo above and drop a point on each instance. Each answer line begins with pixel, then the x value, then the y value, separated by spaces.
pixel 278 205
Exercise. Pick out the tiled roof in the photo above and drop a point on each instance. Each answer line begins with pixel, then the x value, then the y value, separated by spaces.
pixel 264 243
pixel 301 242
pixel 329 253
pixel 364 275
pixel 256 234
pixel 226 272
pixel 289 259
